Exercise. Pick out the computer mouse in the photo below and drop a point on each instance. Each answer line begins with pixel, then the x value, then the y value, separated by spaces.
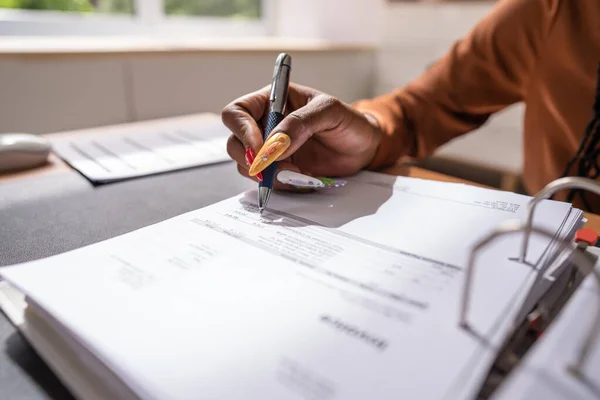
pixel 20 151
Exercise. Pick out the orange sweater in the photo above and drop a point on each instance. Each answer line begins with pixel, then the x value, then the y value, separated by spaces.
pixel 542 52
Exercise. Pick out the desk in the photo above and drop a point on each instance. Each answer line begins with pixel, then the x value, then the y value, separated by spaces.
pixel 54 209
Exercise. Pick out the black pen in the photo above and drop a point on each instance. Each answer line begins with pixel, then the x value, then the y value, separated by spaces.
pixel 277 100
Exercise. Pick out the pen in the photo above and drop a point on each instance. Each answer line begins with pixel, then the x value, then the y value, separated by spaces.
pixel 277 100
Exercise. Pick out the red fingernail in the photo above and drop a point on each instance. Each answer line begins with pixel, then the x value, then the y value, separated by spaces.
pixel 250 159
pixel 249 156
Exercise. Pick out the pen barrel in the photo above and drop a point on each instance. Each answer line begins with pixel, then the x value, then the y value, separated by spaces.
pixel 273 119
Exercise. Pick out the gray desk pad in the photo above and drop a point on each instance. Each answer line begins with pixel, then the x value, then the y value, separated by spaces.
pixel 47 215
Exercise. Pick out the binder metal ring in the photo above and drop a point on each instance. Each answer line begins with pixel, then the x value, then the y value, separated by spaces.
pixel 549 190
pixel 583 263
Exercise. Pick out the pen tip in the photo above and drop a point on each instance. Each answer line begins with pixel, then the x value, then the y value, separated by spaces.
pixel 263 198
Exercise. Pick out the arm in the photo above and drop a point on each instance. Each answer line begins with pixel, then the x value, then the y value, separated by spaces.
pixel 481 74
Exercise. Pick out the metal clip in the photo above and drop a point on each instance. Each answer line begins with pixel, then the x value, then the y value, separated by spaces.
pixel 583 263
pixel 549 190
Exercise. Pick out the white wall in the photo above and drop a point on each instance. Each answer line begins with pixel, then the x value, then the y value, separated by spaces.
pixel 340 21
pixel 416 34
pixel 52 93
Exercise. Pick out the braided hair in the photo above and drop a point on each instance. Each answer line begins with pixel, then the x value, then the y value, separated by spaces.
pixel 586 158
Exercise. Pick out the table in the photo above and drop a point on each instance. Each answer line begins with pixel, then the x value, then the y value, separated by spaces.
pixel 53 209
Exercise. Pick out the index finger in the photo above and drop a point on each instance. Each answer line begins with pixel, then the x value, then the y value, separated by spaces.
pixel 242 115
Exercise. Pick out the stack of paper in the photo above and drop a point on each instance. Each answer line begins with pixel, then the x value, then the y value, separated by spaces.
pixel 125 151
pixel 545 372
pixel 350 293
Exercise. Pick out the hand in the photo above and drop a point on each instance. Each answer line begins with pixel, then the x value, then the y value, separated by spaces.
pixel 328 137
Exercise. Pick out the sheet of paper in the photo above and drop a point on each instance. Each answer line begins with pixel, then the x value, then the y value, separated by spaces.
pixel 106 157
pixel 83 375
pixel 342 294
pixel 543 373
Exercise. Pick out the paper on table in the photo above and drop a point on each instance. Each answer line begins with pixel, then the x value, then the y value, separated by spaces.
pixel 543 372
pixel 103 157
pixel 352 293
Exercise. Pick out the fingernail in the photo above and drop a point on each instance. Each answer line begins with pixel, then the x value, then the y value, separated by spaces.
pixel 297 179
pixel 250 156
pixel 332 183
pixel 275 146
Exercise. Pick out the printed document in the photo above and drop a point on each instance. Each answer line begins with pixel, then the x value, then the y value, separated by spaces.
pixel 340 294
pixel 111 156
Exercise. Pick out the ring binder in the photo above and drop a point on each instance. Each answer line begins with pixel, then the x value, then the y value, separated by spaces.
pixel 590 340
pixel 582 263
pixel 549 190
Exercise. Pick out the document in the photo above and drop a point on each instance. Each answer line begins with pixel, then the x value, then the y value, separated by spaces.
pixel 342 294
pixel 111 156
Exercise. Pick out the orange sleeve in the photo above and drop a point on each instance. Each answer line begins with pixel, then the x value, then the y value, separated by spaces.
pixel 482 73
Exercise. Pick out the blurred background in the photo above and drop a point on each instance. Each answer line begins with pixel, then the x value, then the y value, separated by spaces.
pixel 221 8
pixel 71 64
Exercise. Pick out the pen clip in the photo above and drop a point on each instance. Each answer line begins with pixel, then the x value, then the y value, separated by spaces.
pixel 279 85
pixel 548 191
pixel 274 82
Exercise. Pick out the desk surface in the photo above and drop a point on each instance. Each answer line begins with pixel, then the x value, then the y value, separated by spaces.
pixel 54 209
pixel 56 167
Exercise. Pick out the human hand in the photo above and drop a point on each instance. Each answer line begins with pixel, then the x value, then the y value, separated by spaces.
pixel 327 136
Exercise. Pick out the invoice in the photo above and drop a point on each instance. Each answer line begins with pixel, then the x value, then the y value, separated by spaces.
pixel 342 294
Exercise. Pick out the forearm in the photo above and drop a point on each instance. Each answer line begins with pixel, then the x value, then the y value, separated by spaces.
pixel 412 125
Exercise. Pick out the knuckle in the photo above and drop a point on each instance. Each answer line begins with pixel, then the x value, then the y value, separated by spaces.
pixel 298 123
pixel 336 109
pixel 297 118
pixel 228 112
pixel 330 102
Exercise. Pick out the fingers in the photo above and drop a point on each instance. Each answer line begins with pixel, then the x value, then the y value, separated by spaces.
pixel 310 113
pixel 320 115
pixel 296 179
pixel 271 150
pixel 241 117
pixel 281 183
pixel 236 151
